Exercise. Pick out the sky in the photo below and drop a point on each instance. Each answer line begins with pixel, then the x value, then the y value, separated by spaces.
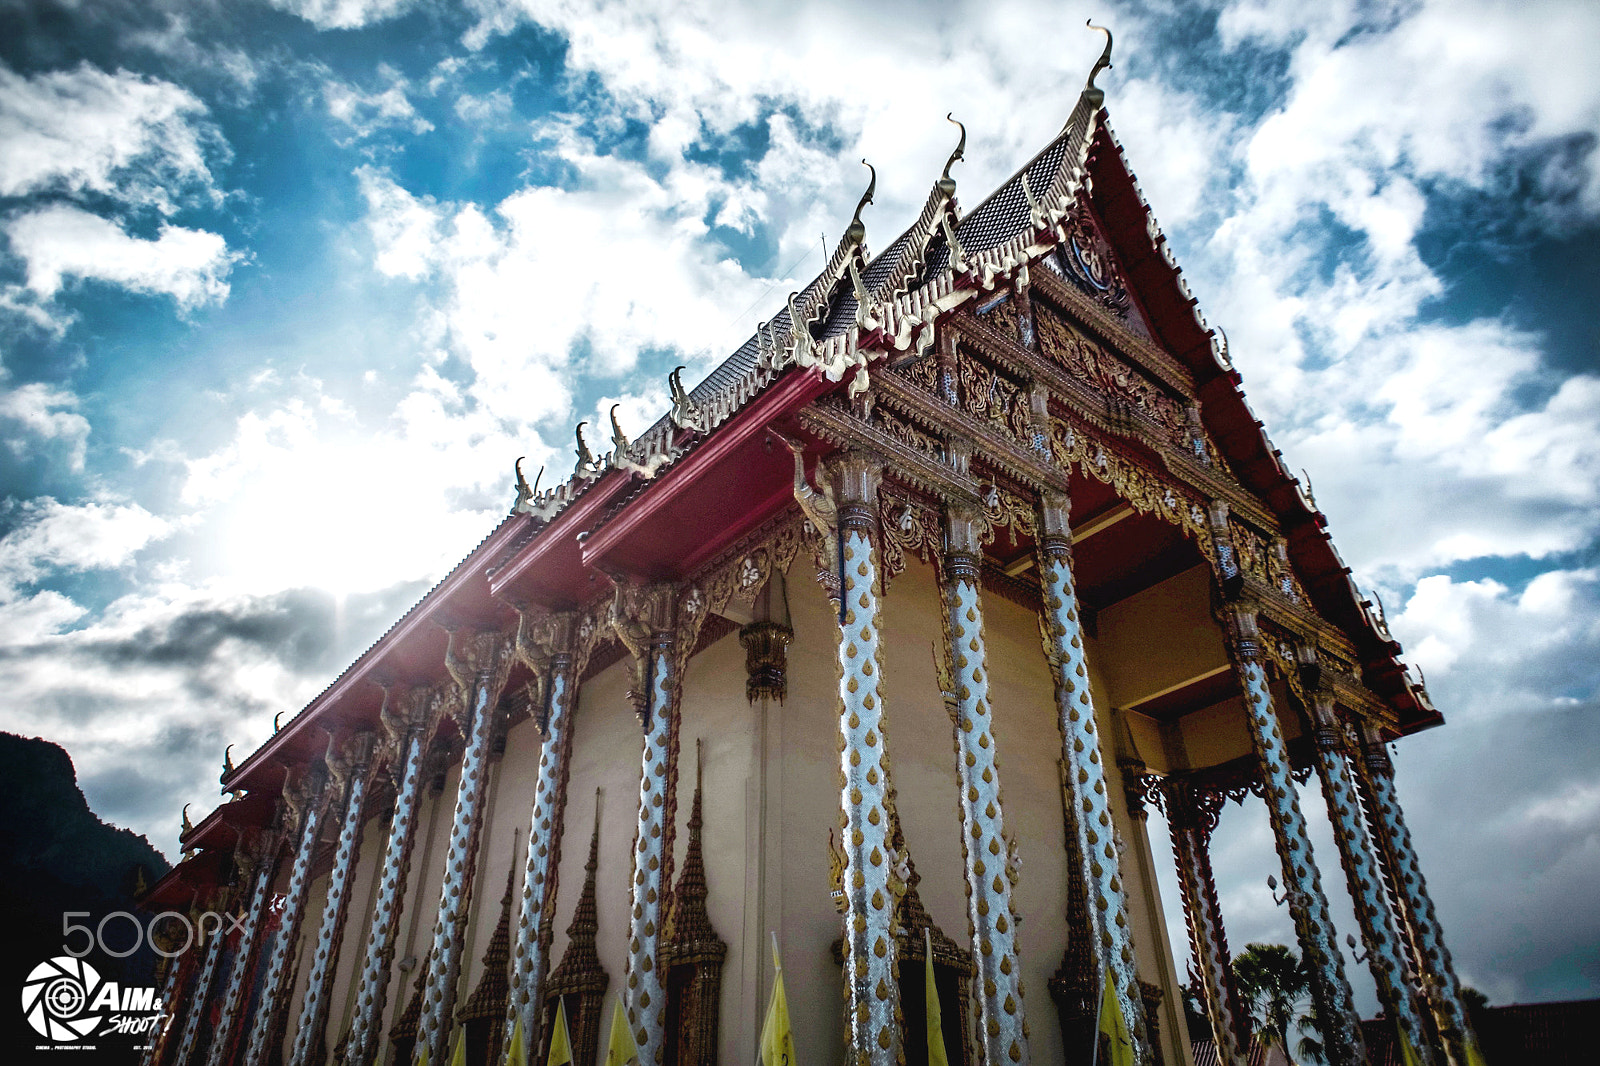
pixel 286 286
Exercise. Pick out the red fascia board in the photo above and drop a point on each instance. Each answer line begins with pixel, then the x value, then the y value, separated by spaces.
pixel 787 396
pixel 295 734
pixel 180 886
pixel 556 536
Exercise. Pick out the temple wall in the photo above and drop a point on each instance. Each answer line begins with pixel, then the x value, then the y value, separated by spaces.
pixel 422 896
pixel 716 712
pixel 607 742
pixel 353 945
pixel 771 798
pixel 803 805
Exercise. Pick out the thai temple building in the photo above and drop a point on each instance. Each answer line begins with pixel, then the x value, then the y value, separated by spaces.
pixel 883 640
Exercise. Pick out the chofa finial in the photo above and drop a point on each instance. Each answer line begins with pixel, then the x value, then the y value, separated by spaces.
pixel 1104 62
pixel 857 232
pixel 947 184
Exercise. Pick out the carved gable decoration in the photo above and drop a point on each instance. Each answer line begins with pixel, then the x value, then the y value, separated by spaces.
pixel 1124 387
pixel 1085 258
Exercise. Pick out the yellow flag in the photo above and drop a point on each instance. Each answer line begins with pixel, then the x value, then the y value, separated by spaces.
pixel 422 1053
pixel 1474 1054
pixel 560 1039
pixel 936 1055
pixel 1408 1054
pixel 777 1039
pixel 1114 1026
pixel 517 1051
pixel 458 1048
pixel 621 1049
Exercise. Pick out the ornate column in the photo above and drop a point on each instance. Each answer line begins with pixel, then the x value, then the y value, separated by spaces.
pixel 349 774
pixel 545 645
pixel 306 805
pixel 1192 816
pixel 1341 1028
pixel 239 980
pixel 174 994
pixel 872 875
pixel 479 665
pixel 1094 850
pixel 985 847
pixel 1378 933
pixel 199 992
pixel 1436 972
pixel 644 617
pixel 407 738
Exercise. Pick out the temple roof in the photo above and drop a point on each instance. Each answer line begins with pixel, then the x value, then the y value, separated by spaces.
pixel 539 550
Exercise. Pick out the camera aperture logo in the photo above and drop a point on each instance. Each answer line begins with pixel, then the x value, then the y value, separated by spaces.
pixel 66 1001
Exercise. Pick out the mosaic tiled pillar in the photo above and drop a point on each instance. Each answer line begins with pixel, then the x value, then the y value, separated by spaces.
pixel 985 847
pixel 872 879
pixel 1436 971
pixel 1094 851
pixel 1192 818
pixel 530 957
pixel 409 740
pixel 1330 988
pixel 350 774
pixel 239 980
pixel 198 993
pixel 173 995
pixel 279 976
pixel 1378 932
pixel 479 665
pixel 645 620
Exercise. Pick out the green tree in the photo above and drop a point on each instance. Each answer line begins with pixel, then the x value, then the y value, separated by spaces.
pixel 1275 985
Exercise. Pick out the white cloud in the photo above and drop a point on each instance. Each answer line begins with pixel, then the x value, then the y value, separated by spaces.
pixel 135 139
pixel 344 14
pixel 365 113
pixel 42 412
pixel 49 535
pixel 60 241
pixel 404 228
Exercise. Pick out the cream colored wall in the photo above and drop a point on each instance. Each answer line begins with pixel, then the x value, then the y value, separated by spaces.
pixel 353 944
pixel 502 850
pixel 607 743
pixel 1159 639
pixel 422 897
pixel 716 712
pixel 771 798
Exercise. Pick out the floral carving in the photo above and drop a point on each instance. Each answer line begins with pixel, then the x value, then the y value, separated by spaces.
pixel 992 397
pixel 1145 490
pixel 1116 380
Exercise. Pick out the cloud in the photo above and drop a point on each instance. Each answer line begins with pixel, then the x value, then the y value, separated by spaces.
pixel 42 412
pixel 366 113
pixel 404 228
pixel 161 680
pixel 344 14
pixel 47 535
pixel 59 241
pixel 137 140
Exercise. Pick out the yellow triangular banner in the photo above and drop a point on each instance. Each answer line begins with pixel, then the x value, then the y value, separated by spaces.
pixel 458 1049
pixel 621 1049
pixel 1474 1054
pixel 1408 1053
pixel 777 1038
pixel 560 1039
pixel 930 995
pixel 1114 1026
pixel 517 1050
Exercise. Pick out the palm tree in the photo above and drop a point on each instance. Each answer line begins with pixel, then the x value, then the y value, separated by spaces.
pixel 1274 984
